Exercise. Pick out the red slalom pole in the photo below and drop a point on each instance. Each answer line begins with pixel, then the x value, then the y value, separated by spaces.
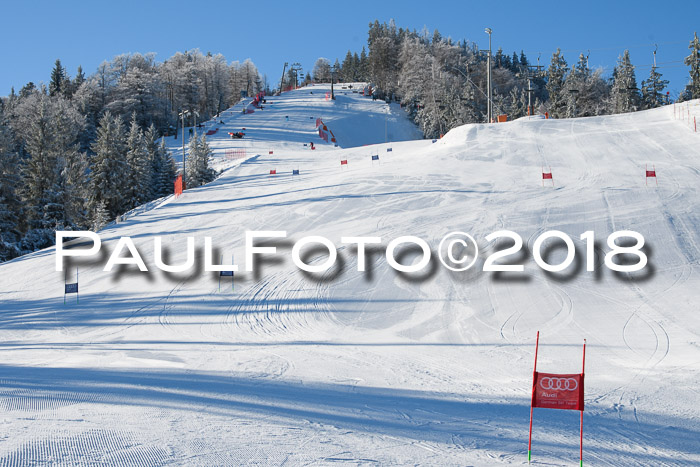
pixel 583 369
pixel 580 454
pixel 534 371
pixel 550 173
pixel 656 179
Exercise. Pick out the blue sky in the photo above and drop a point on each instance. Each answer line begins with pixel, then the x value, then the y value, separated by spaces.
pixel 34 34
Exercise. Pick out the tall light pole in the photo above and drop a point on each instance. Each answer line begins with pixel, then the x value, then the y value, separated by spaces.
pixel 488 112
pixel 182 115
pixel 196 114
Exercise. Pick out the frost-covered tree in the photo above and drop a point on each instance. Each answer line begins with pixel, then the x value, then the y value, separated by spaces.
pixel 624 94
pixel 693 61
pixel 517 105
pixel 556 78
pixel 138 184
pixel 49 129
pixel 384 46
pixel 100 215
pixel 87 100
pixel 198 171
pixel 108 171
pixel 251 77
pixel 652 90
pixel 162 165
pixel 137 94
pixel 586 90
pixel 67 181
pixel 322 71
pixel 10 204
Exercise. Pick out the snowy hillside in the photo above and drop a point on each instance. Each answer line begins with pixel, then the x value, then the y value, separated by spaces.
pixel 356 368
pixel 289 122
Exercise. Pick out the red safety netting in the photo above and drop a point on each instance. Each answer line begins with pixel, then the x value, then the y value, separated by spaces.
pixel 179 185
pixel 237 153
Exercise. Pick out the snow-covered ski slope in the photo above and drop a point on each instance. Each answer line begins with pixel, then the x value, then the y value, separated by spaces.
pixel 289 122
pixel 374 368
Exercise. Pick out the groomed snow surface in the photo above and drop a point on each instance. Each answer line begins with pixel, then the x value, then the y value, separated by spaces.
pixel 356 368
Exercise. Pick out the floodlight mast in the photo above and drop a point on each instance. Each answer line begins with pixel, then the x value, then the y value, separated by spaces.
pixel 182 115
pixel 489 117
pixel 284 69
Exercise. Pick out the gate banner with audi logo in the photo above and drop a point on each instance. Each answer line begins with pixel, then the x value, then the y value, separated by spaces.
pixel 557 391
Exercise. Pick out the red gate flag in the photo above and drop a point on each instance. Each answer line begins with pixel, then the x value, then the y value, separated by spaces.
pixel 270 152
pixel 557 391
pixel 344 162
pixel 650 174
pixel 273 172
pixel 547 176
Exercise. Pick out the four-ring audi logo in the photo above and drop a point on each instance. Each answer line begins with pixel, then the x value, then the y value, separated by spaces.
pixel 558 384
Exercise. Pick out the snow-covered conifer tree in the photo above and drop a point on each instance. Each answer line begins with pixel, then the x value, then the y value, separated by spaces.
pixel 109 170
pixel 652 90
pixel 138 185
pixel 556 77
pixel 624 94
pixel 198 171
pixel 693 61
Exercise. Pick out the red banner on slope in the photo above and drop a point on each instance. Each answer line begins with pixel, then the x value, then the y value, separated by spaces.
pixel 179 185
